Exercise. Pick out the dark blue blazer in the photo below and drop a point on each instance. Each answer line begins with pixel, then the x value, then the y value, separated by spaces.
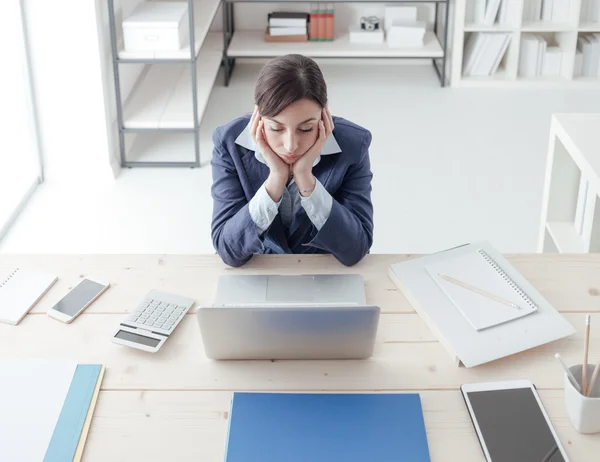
pixel 345 173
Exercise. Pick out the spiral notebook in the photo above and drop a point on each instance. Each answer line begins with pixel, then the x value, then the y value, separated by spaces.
pixel 481 290
pixel 477 329
pixel 20 290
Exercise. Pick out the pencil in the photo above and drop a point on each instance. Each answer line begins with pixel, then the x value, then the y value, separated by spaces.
pixel 479 291
pixel 593 379
pixel 568 372
pixel 586 344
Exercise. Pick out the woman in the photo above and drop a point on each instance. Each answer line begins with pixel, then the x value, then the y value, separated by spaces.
pixel 291 178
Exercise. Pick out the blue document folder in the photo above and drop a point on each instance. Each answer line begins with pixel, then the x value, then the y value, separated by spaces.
pixel 295 427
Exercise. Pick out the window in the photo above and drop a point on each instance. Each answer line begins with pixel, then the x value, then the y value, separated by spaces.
pixel 20 160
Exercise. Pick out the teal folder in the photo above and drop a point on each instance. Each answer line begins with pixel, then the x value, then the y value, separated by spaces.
pixel 67 432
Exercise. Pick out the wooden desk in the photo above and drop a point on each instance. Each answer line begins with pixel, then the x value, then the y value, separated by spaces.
pixel 173 405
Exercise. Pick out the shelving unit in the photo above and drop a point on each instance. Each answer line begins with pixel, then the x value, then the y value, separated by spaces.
pixel 573 156
pixel 251 44
pixel 166 105
pixel 564 33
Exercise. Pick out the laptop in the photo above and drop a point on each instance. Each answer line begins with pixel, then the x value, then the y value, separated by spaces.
pixel 289 317
pixel 300 290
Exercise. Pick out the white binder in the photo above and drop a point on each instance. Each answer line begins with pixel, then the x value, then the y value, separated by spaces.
pixel 500 334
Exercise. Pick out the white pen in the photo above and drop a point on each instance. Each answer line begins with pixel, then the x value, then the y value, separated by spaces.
pixel 568 372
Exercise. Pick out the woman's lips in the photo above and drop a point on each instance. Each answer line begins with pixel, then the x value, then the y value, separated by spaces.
pixel 291 157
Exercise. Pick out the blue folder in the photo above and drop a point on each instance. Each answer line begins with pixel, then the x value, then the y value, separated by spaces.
pixel 292 427
pixel 67 432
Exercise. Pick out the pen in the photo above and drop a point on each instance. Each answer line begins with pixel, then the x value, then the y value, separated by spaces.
pixel 568 372
pixel 586 344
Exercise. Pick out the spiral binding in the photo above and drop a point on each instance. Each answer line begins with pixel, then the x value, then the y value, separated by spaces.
pixel 8 278
pixel 507 278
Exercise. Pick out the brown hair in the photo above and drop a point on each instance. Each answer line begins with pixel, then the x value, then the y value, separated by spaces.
pixel 287 79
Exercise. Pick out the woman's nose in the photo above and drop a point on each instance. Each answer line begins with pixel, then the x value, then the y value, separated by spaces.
pixel 290 143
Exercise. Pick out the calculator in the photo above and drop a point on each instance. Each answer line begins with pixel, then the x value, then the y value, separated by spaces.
pixel 148 327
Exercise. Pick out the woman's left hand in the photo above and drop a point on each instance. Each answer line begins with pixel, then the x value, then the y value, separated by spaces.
pixel 302 169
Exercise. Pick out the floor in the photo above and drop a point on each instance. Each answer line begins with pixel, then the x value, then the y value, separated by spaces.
pixel 450 166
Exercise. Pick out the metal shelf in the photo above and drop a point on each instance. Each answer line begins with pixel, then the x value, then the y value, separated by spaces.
pixel 250 44
pixel 160 103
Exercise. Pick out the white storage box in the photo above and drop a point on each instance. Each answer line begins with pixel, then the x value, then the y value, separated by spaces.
pixel 157 26
pixel 406 36
pixel 358 35
pixel 395 14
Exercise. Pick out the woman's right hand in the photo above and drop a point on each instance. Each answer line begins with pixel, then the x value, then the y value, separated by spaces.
pixel 279 171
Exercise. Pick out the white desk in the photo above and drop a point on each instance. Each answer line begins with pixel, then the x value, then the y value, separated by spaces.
pixel 173 405
pixel 573 154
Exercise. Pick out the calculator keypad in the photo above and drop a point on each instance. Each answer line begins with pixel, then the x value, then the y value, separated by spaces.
pixel 154 313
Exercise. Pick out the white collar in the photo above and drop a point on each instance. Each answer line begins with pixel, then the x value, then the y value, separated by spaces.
pixel 245 140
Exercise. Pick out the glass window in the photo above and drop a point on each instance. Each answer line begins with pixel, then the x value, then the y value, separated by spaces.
pixel 20 160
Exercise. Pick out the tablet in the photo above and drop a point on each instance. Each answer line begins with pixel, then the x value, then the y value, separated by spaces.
pixel 511 423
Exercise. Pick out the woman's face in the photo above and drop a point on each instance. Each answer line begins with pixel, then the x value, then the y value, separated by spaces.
pixel 293 131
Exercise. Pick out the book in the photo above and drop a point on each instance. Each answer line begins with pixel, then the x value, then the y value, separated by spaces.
pixel 484 52
pixel 288 19
pixel 491 11
pixel 466 345
pixel 281 31
pixel 20 290
pixel 313 22
pixel 552 61
pixel 285 38
pixel 321 22
pixel 329 23
pixel 325 427
pixel 46 408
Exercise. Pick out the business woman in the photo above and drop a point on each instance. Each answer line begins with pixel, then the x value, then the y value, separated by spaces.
pixel 291 178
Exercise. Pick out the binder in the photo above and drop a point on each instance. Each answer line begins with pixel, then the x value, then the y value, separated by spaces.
pixel 20 290
pixel 46 408
pixel 72 427
pixel 325 427
pixel 466 345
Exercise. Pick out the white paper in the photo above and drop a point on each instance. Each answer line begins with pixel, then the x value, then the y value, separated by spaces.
pixel 32 393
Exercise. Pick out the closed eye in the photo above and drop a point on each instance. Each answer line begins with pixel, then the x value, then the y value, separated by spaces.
pixel 306 130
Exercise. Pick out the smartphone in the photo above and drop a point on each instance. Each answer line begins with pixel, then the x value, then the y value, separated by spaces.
pixel 511 422
pixel 77 299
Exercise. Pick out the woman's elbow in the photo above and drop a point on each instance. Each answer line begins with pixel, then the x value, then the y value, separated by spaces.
pixel 354 256
pixel 228 256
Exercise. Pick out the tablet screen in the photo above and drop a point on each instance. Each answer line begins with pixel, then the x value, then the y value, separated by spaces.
pixel 513 426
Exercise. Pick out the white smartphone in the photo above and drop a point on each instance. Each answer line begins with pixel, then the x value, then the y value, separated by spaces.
pixel 511 422
pixel 77 299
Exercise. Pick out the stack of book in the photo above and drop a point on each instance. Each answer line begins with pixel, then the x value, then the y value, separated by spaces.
pixel 537 58
pixel 322 22
pixel 590 11
pixel 489 11
pixel 484 52
pixel 547 10
pixel 287 27
pixel 587 57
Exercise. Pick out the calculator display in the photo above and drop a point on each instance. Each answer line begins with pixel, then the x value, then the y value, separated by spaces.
pixel 148 341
